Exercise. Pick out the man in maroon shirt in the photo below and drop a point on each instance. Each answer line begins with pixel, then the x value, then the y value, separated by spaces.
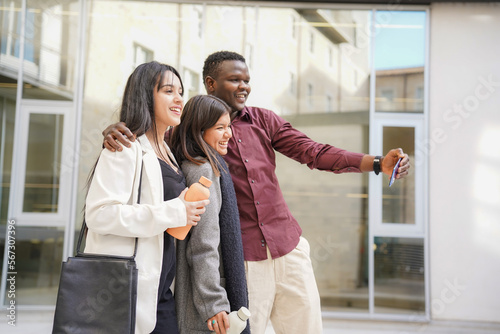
pixel 281 283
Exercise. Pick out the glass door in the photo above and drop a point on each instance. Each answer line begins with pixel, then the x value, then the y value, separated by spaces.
pixel 38 63
pixel 397 226
pixel 39 202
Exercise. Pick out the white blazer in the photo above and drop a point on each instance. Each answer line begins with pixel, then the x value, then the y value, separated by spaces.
pixel 114 218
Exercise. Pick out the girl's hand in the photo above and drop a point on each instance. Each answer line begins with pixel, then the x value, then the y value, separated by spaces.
pixel 219 323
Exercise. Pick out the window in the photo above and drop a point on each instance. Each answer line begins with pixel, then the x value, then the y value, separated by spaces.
pixel 292 87
pixel 387 95
pixel 311 42
pixel 399 59
pixel 399 266
pixel 329 105
pixel 199 16
pixel 141 55
pixel 191 83
pixel 310 96
pixel 330 57
pixel 249 55
pixel 293 28
pixel 38 65
pixel 42 179
pixel 419 99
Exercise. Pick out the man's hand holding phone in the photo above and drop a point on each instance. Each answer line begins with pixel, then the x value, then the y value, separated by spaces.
pixel 394 172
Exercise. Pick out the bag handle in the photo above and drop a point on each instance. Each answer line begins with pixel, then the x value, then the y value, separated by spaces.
pixel 85 228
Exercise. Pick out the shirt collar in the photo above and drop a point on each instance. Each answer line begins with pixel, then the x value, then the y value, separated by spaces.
pixel 244 116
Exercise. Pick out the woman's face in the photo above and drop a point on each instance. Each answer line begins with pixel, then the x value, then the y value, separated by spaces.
pixel 218 135
pixel 168 101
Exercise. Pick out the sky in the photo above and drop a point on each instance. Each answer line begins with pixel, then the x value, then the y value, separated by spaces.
pixel 400 39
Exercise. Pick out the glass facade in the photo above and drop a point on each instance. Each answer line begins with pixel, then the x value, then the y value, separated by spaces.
pixel 320 68
pixel 399 275
pixel 8 87
pixel 37 74
pixel 50 49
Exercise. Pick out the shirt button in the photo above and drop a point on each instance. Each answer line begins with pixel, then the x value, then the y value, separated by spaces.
pixel 261 224
pixel 253 181
pixel 239 140
pixel 262 241
pixel 263 245
pixel 246 160
pixel 258 203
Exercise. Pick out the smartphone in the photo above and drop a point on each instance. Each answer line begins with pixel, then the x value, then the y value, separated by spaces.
pixel 394 172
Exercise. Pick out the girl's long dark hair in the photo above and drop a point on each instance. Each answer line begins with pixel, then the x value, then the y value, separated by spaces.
pixel 200 113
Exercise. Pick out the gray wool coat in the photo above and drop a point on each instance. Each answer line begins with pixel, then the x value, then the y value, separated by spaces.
pixel 199 282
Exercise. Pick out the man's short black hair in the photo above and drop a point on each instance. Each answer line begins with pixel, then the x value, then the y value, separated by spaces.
pixel 212 63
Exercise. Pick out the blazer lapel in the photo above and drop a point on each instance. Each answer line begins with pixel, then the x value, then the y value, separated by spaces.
pixel 152 171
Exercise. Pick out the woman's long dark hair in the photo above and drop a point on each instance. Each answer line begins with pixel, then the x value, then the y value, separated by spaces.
pixel 137 110
pixel 200 113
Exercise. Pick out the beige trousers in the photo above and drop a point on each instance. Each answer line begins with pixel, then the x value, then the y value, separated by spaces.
pixel 284 290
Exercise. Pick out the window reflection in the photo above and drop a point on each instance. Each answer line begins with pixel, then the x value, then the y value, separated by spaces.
pixel 11 23
pixel 400 90
pixel 41 188
pixel 38 265
pixel 333 213
pixel 398 201
pixel 399 275
pixel 50 49
pixel 399 61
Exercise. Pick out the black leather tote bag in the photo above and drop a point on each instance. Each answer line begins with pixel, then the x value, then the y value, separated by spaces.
pixel 97 292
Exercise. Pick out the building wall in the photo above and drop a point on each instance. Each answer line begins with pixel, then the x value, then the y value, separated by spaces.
pixel 464 183
pixel 463 136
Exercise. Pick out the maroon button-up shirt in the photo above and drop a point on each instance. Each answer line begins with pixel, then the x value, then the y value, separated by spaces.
pixel 265 217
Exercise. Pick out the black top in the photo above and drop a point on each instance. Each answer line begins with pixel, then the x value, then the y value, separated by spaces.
pixel 166 321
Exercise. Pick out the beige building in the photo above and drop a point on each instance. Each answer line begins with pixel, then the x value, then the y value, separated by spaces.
pixel 420 251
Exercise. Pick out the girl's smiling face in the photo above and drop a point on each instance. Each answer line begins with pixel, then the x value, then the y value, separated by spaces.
pixel 218 135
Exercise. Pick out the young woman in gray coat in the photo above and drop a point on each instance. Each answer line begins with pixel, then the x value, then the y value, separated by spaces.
pixel 210 280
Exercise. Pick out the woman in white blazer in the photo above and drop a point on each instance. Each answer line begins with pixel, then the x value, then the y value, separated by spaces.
pixel 152 102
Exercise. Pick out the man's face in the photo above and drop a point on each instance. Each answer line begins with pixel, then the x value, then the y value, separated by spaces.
pixel 231 84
